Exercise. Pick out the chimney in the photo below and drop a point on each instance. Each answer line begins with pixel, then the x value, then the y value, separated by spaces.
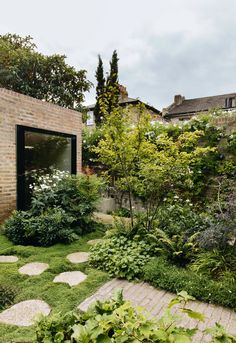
pixel 178 99
pixel 123 92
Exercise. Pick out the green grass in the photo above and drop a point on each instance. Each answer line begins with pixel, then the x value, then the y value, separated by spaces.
pixel 61 297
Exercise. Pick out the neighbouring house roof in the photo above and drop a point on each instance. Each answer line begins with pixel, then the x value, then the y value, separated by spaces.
pixel 130 101
pixel 182 106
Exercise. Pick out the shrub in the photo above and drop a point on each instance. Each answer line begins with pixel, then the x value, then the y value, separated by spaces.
pixel 50 227
pixel 162 274
pixel 120 257
pixel 179 249
pixel 77 195
pixel 7 296
pixel 115 320
pixel 62 208
pixel 178 217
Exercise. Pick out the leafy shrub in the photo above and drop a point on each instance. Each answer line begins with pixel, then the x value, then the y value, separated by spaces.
pixel 177 217
pixel 162 274
pixel 232 143
pixel 116 320
pixel 62 208
pixel 7 296
pixel 50 227
pixel 77 195
pixel 120 257
pixel 179 249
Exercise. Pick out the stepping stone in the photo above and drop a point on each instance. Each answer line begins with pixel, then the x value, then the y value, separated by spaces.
pixel 8 259
pixel 78 257
pixel 34 268
pixel 72 278
pixel 94 241
pixel 24 313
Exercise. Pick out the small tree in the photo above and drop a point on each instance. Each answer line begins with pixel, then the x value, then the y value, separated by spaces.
pixel 146 167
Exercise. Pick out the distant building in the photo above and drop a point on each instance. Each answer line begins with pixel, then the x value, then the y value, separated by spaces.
pixel 125 101
pixel 184 109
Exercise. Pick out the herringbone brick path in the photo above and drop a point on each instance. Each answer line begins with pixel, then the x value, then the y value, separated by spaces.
pixel 155 301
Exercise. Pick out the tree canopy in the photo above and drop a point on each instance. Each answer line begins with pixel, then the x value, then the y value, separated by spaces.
pixel 23 69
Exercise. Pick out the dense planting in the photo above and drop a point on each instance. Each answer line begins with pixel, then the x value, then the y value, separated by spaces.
pixel 117 321
pixel 61 210
pixel 120 257
pixel 184 174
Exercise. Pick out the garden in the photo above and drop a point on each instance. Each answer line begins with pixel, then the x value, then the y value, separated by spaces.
pixel 183 239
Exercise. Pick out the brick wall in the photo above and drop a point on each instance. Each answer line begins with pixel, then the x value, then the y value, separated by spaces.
pixel 18 109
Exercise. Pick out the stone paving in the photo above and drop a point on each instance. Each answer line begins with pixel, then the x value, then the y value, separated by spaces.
pixel 34 268
pixel 94 241
pixel 72 278
pixel 24 313
pixel 8 259
pixel 154 301
pixel 78 257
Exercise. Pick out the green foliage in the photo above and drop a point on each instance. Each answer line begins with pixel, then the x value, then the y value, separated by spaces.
pixel 217 264
pixel 116 320
pixel 49 227
pixel 59 296
pixel 179 249
pixel 177 217
pixel 220 335
pixel 120 257
pixel 121 212
pixel 162 274
pixel 61 209
pixel 232 143
pixel 90 139
pixel 27 71
pixel 77 195
pixel 100 89
pixel 7 295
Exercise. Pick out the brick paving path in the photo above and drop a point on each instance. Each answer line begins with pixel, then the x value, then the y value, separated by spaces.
pixel 155 301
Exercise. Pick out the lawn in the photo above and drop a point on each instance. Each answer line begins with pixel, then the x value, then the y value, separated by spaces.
pixel 60 297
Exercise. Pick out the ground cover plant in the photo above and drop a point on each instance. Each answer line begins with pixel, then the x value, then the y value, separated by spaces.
pixel 60 297
pixel 61 210
pixel 116 320
pixel 120 257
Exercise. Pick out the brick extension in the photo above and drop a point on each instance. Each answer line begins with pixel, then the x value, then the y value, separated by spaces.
pixel 154 301
pixel 18 109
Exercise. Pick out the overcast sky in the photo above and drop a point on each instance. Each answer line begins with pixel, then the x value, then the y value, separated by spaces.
pixel 165 47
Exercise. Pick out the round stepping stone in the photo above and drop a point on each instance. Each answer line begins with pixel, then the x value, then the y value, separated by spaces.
pixel 8 259
pixel 72 278
pixel 78 257
pixel 94 241
pixel 34 268
pixel 24 313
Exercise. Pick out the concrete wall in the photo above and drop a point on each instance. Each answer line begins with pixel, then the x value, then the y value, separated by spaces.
pixel 18 109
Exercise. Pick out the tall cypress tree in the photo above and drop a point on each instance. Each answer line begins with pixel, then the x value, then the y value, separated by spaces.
pixel 100 89
pixel 112 84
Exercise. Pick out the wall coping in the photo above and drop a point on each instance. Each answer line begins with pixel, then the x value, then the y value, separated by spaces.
pixel 40 102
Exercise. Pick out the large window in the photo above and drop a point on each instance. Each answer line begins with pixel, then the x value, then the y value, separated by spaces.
pixel 39 152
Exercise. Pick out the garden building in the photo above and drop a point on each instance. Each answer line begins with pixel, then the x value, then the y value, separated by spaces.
pixel 35 138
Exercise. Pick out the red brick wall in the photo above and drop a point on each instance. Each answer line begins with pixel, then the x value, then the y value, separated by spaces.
pixel 18 109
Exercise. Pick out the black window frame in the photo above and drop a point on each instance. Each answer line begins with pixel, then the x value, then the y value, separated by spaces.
pixel 20 158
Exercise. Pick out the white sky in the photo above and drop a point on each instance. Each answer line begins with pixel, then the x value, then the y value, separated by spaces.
pixel 166 47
